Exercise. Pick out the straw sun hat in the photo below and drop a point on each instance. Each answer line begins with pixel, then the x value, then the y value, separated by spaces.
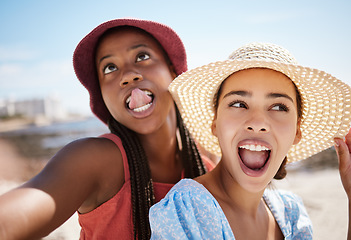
pixel 326 100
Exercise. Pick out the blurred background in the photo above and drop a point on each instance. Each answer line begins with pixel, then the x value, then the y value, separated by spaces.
pixel 43 106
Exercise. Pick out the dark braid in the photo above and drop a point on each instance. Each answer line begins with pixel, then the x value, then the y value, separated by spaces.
pixel 190 155
pixel 140 178
pixel 142 192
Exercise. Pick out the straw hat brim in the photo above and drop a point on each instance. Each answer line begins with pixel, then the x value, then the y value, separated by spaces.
pixel 326 103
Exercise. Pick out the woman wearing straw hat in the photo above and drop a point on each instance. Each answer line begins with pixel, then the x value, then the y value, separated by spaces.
pixel 126 65
pixel 259 111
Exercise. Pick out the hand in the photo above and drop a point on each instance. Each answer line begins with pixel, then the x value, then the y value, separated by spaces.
pixel 343 150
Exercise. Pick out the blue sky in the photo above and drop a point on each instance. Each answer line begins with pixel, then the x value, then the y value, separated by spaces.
pixel 37 38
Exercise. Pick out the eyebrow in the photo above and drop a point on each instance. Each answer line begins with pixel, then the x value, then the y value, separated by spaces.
pixel 279 95
pixel 240 93
pixel 137 46
pixel 248 94
pixel 129 49
pixel 104 57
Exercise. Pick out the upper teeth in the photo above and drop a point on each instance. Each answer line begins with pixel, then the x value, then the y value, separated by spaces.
pixel 253 147
pixel 145 91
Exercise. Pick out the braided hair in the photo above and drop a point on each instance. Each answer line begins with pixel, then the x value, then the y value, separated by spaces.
pixel 142 191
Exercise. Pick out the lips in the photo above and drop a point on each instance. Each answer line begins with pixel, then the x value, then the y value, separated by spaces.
pixel 254 156
pixel 139 100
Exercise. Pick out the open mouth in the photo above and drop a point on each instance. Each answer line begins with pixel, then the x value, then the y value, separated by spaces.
pixel 253 156
pixel 139 100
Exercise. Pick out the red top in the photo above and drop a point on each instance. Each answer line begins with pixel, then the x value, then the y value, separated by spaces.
pixel 114 217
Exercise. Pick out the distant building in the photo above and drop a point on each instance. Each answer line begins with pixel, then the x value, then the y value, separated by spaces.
pixel 48 109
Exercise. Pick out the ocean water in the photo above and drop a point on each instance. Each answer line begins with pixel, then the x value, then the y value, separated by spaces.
pixel 47 140
pixel 59 134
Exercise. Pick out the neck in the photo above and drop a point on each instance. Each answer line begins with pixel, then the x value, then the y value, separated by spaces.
pixel 161 145
pixel 246 211
pixel 238 198
pixel 161 148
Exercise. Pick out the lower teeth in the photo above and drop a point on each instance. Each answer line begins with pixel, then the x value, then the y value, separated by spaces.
pixel 143 108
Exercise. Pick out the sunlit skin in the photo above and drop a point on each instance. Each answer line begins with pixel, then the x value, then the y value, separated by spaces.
pixel 73 179
pixel 88 172
pixel 256 106
pixel 343 149
pixel 129 59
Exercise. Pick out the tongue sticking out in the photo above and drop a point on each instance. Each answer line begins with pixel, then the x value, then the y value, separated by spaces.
pixel 254 160
pixel 138 99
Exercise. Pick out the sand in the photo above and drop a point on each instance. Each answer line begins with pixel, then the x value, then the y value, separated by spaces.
pixel 324 198
pixel 321 191
pixel 14 170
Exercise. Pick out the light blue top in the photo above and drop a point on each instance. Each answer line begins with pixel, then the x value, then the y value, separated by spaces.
pixel 189 211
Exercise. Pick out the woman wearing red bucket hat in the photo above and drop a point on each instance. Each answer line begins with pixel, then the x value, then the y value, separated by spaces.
pixel 126 65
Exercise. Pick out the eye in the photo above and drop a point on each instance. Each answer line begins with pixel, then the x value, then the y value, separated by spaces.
pixel 238 104
pixel 280 107
pixel 142 57
pixel 110 68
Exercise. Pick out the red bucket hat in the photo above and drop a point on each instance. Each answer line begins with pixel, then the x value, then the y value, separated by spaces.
pixel 84 56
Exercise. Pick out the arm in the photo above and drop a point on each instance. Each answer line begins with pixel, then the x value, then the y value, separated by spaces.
pixel 343 149
pixel 70 181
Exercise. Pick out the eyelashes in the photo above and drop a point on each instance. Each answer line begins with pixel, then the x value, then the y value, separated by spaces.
pixel 280 107
pixel 143 56
pixel 140 57
pixel 238 104
pixel 110 67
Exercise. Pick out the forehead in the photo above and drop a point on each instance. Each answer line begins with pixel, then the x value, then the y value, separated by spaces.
pixel 126 36
pixel 260 79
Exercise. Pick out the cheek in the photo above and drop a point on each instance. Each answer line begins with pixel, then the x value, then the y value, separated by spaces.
pixel 163 78
pixel 286 132
pixel 158 69
pixel 226 130
pixel 110 95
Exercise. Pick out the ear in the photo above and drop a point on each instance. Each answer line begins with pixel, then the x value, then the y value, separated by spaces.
pixel 298 135
pixel 214 127
pixel 172 71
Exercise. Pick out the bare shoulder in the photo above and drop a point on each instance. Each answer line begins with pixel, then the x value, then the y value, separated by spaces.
pixel 87 171
pixel 81 176
pixel 89 156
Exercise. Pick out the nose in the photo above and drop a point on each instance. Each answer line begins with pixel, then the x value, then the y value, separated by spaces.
pixel 257 123
pixel 130 77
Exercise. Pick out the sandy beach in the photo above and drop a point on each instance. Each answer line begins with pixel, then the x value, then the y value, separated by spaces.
pixel 324 199
pixel 320 189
